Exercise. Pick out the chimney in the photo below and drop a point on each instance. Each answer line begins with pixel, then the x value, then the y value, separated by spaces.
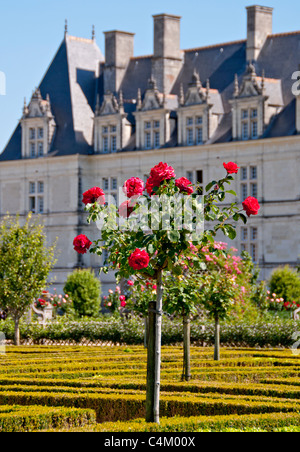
pixel 259 26
pixel 119 48
pixel 167 57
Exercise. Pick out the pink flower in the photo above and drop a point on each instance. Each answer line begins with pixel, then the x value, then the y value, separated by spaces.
pixel 251 206
pixel 130 283
pixel 208 258
pixel 159 174
pixel 122 298
pixel 139 259
pixel 82 244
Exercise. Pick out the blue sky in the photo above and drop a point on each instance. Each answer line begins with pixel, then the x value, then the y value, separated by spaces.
pixel 32 30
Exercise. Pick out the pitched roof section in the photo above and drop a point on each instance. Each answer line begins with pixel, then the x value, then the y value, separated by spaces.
pixel 71 83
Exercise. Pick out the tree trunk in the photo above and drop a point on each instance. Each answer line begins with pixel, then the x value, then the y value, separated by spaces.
pixel 159 306
pixel 186 348
pixel 154 355
pixel 146 332
pixel 217 339
pixel 151 362
pixel 17 332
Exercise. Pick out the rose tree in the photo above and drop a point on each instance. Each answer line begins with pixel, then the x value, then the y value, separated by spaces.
pixel 165 217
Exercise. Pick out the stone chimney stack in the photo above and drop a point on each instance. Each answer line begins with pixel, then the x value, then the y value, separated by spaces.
pixel 259 26
pixel 119 48
pixel 167 57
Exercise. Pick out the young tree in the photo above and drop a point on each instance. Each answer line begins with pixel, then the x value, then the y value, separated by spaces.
pixel 25 264
pixel 85 290
pixel 157 231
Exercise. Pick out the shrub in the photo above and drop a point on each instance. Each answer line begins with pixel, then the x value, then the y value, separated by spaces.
pixel 85 290
pixel 285 283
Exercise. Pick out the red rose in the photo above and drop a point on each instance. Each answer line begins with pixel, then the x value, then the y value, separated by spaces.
pixel 184 185
pixel 93 195
pixel 251 206
pixel 81 244
pixel 139 259
pixel 231 168
pixel 133 187
pixel 126 209
pixel 159 174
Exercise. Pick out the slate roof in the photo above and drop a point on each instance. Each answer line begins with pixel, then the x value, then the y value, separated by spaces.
pixel 73 84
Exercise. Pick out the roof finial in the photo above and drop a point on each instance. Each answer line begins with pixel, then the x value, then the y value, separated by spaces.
pixel 121 101
pixel 139 99
pixel 181 95
pixel 236 86
pixel 207 88
pixel 93 33
pixel 263 81
pixel 25 108
pixel 66 27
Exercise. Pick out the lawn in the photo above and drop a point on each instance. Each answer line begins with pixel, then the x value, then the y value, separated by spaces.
pixel 103 389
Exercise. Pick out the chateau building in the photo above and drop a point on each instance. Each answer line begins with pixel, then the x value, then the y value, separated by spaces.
pixel 97 120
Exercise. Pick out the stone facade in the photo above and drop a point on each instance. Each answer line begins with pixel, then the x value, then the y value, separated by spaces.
pixel 98 121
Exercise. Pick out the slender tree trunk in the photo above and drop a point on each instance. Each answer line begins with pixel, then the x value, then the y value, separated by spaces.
pixel 186 347
pixel 217 339
pixel 151 362
pixel 159 306
pixel 17 332
pixel 146 332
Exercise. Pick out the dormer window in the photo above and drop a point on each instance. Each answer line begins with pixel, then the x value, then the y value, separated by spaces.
pixel 112 129
pixel 199 113
pixel 153 123
pixel 38 127
pixel 254 104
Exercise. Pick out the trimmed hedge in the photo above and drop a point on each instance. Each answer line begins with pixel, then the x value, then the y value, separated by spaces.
pixel 21 419
pixel 274 333
pixel 267 422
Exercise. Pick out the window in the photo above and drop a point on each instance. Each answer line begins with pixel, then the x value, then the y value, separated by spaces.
pixel 40 133
pixel 190 176
pixel 113 143
pixel 105 144
pixel 105 183
pixel 199 175
pixel 36 197
pixel 40 187
pixel 248 186
pixel 244 173
pixel 40 149
pixel 249 241
pixel 148 140
pixel 245 131
pixel 199 135
pixel 32 150
pixel 253 172
pixel 244 191
pixel 253 190
pixel 249 124
pixel 152 134
pixel 114 183
pixel 109 139
pixel 32 134
pixel 194 130
pixel 110 187
pixel 156 139
pixel 190 137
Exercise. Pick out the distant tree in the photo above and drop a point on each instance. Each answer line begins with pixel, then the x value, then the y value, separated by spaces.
pixel 285 282
pixel 84 288
pixel 25 264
